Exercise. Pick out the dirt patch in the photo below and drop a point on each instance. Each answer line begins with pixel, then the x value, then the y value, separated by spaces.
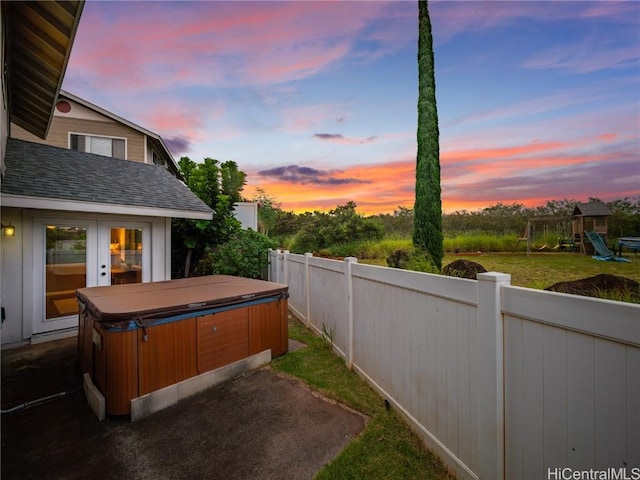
pixel 463 269
pixel 598 285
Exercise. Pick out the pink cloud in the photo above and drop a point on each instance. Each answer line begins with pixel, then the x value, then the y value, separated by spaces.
pixel 228 44
pixel 294 62
pixel 172 115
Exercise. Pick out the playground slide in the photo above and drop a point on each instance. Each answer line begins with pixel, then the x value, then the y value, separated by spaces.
pixel 601 249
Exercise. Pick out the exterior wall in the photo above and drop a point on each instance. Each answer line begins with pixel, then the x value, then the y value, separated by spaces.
pixel 11 277
pixel 4 130
pixel 501 382
pixel 247 214
pixel 62 125
pixel 17 269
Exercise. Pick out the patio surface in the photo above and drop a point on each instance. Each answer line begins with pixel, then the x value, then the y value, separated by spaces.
pixel 258 425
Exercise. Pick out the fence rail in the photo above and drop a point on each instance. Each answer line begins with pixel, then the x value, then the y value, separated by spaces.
pixel 500 381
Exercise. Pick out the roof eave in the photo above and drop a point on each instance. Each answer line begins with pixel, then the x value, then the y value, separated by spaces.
pixel 44 203
pixel 32 98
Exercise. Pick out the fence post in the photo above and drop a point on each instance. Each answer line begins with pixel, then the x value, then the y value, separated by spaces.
pixel 278 265
pixel 285 256
pixel 490 375
pixel 349 287
pixel 307 289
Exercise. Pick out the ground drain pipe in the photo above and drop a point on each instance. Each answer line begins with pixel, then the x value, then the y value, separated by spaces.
pixel 31 403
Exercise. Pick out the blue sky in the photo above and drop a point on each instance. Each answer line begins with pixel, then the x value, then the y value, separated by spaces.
pixel 316 101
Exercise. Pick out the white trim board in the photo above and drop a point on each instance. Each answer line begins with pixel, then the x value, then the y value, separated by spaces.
pixel 22 201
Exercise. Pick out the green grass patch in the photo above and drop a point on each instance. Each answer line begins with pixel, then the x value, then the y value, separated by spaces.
pixel 388 448
pixel 541 270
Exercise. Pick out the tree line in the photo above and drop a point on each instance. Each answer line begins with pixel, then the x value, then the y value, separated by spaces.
pixel 313 231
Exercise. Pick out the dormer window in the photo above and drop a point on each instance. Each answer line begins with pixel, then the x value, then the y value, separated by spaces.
pixel 107 146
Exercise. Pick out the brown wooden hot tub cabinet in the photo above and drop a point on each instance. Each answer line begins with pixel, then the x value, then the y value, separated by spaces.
pixel 137 338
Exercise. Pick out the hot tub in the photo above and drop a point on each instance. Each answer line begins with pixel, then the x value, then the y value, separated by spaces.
pixel 134 339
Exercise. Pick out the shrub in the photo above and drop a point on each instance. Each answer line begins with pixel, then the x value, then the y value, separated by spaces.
pixel 406 259
pixel 245 254
pixel 370 248
pixel 399 259
pixel 339 226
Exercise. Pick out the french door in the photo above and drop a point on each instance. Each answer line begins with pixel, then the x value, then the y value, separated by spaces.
pixel 122 258
pixel 69 254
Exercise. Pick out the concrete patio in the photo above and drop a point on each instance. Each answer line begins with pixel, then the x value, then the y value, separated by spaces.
pixel 258 425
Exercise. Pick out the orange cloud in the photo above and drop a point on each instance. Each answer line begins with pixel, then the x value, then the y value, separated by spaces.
pixel 530 174
pixel 454 156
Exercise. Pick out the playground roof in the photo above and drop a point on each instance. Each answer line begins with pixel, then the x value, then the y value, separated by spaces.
pixel 591 209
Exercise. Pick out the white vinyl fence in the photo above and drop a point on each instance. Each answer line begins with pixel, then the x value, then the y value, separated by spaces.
pixel 501 382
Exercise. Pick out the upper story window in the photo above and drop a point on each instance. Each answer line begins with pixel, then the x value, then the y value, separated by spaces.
pixel 107 146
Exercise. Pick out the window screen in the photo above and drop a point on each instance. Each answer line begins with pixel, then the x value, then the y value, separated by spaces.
pixel 100 146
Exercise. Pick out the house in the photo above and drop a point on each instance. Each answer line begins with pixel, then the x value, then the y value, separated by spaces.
pixel 86 196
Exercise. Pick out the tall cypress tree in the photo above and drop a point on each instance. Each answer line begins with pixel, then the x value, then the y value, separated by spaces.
pixel 427 223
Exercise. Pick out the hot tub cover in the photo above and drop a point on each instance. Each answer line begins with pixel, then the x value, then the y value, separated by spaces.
pixel 143 302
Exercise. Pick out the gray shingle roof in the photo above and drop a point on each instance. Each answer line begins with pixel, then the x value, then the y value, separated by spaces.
pixel 37 170
pixel 592 209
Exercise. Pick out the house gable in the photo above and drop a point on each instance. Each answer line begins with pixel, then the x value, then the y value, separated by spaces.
pixel 62 126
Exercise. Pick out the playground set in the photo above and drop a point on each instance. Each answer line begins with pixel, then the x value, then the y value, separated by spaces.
pixel 589 224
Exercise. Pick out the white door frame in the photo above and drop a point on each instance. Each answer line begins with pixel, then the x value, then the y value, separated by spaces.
pixel 39 322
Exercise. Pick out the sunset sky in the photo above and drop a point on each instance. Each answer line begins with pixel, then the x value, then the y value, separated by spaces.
pixel 316 101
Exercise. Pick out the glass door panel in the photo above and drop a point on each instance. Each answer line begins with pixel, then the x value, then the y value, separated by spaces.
pixel 64 259
pixel 65 269
pixel 125 251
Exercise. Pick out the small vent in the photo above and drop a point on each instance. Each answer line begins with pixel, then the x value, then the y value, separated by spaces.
pixel 63 106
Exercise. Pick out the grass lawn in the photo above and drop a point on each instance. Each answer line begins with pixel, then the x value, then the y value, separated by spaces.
pixel 387 448
pixel 540 270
